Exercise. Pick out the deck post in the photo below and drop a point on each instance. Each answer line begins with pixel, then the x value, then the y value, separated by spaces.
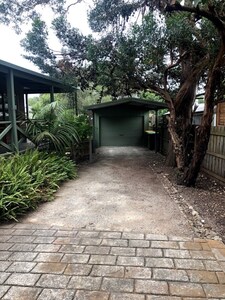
pixel 52 99
pixel 12 110
pixel 156 131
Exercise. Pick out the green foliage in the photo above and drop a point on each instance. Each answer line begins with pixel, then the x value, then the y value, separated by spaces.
pixel 56 127
pixel 30 178
pixel 52 129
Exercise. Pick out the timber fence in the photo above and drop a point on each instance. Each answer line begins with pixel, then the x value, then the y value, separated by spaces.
pixel 214 161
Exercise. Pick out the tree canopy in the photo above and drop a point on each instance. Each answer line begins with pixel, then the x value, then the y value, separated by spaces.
pixel 172 48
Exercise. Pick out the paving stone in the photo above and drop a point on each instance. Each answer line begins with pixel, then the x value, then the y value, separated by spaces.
pixel 114 242
pixel 205 247
pixel 22 239
pixel 125 296
pixel 23 279
pixel 170 274
pixel 85 283
pixel 76 258
pixel 7 225
pixel 50 294
pixel 66 241
pixel 138 272
pixel 5 246
pixel 3 277
pixel 21 266
pixel 97 250
pixel 108 271
pixel 23 232
pixel 190 245
pixel 216 244
pixel 102 260
pixel 6 231
pixel 110 234
pixel 44 240
pixel 66 233
pixel 222 265
pixel 49 267
pixel 93 295
pixel 202 254
pixel 22 293
pixel 4 255
pixel 78 269
pixel 156 237
pixel 191 264
pixel 90 241
pixel 180 238
pixel 159 262
pixel 4 265
pixel 202 276
pixel 48 257
pixel 130 261
pixel 221 277
pixel 151 287
pixel 53 281
pixel 31 226
pixel 122 251
pixel 164 244
pixel 64 228
pixel 212 265
pixel 186 289
pixel 5 238
pixel 139 243
pixel 149 252
pixel 88 234
pixel 214 290
pixel 132 236
pixel 47 248
pixel 44 232
pixel 23 247
pixel 3 290
pixel 176 253
pixel 23 256
pixel 72 249
pixel 152 297
pixel 117 285
pixel 219 254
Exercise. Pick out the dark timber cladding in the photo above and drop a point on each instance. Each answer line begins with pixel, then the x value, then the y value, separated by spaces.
pixel 122 122
pixel 16 83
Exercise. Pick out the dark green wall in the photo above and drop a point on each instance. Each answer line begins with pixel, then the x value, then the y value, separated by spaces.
pixel 126 113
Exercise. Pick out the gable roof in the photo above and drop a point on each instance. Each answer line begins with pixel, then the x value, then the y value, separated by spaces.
pixel 32 82
pixel 149 105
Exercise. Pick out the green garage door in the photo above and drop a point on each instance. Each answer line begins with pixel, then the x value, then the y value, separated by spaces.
pixel 121 131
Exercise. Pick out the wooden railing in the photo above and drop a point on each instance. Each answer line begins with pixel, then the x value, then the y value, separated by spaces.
pixel 5 134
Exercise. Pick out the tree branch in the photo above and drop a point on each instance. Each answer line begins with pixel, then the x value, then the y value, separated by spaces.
pixel 199 12
pixel 171 67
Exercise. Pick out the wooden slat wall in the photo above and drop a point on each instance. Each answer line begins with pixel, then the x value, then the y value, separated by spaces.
pixel 214 162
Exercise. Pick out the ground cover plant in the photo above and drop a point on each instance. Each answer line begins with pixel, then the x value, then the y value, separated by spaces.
pixel 30 178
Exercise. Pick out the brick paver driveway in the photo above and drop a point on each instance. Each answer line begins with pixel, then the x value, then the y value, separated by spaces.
pixel 46 262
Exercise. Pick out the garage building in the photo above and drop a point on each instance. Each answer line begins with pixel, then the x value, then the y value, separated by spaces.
pixel 122 122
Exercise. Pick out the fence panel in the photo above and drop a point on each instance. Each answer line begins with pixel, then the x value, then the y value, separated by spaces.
pixel 214 161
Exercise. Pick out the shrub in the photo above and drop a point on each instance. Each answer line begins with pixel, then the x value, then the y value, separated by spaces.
pixel 30 178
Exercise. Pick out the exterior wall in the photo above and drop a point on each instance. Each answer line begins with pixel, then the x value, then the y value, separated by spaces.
pixel 117 111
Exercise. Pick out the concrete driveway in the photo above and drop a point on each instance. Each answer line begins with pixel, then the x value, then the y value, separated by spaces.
pixel 118 191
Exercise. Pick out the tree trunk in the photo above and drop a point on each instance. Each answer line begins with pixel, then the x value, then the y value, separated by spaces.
pixel 203 132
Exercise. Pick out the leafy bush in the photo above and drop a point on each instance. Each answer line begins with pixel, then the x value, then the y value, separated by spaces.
pixel 30 178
